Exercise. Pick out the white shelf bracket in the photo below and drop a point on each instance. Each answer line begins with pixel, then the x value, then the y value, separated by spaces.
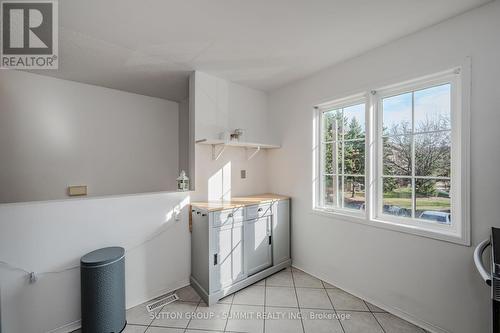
pixel 255 151
pixel 216 154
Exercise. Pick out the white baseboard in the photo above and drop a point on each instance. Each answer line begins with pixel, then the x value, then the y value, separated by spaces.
pixel 70 327
pixel 395 311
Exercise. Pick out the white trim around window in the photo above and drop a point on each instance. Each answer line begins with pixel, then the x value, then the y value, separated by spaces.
pixel 372 212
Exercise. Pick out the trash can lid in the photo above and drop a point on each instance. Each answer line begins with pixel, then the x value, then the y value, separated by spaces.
pixel 102 256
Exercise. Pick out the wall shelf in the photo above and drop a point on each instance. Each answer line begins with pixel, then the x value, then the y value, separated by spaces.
pixel 218 147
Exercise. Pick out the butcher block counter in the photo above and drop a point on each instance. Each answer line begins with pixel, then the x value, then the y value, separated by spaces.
pixel 237 202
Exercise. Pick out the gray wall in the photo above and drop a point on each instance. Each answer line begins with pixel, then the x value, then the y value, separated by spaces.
pixel 55 133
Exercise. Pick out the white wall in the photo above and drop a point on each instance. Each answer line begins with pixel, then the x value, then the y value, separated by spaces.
pixel 221 105
pixel 48 236
pixel 57 133
pixel 433 283
pixel 184 143
pixel 220 179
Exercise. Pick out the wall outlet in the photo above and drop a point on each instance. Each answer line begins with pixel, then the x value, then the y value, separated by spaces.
pixel 243 174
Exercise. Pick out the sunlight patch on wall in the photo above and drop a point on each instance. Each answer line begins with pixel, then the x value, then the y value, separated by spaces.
pixel 219 184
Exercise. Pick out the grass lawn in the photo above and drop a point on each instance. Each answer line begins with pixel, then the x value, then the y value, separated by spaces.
pixel 402 198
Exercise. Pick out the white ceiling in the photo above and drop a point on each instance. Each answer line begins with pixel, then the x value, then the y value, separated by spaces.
pixel 150 46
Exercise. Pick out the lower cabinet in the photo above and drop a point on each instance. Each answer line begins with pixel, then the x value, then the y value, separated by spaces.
pixel 258 240
pixel 230 249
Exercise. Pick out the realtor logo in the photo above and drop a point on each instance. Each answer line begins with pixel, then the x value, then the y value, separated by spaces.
pixel 29 34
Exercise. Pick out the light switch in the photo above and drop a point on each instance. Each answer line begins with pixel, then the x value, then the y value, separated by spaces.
pixel 79 190
pixel 243 174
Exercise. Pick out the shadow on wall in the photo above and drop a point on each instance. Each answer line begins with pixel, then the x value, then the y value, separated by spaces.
pixel 219 184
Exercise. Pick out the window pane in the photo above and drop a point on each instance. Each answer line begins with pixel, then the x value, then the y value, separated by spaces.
pixel 397 196
pixel 354 122
pixel 397 114
pixel 433 108
pixel 331 191
pixel 328 158
pixel 354 193
pixel 433 154
pixel 354 161
pixel 433 200
pixel 397 156
pixel 331 125
pixel 332 152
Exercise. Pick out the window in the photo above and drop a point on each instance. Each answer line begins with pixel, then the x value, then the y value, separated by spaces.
pixel 343 156
pixel 397 158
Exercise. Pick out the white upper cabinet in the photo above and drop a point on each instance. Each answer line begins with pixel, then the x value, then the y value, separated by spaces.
pixel 220 105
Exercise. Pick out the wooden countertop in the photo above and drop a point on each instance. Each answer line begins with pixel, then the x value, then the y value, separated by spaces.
pixel 236 202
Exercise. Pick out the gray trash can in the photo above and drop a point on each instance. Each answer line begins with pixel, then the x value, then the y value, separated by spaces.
pixel 103 290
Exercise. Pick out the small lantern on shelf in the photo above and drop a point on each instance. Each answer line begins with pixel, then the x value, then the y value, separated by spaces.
pixel 183 182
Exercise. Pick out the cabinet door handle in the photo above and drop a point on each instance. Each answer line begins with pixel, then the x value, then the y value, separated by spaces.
pixel 270 239
pixel 203 214
pixel 215 259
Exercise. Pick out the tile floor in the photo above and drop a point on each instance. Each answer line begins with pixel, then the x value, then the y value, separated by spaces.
pixel 287 302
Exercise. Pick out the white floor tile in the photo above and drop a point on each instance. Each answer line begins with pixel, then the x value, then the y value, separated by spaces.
pixel 252 295
pixel 175 314
pixel 280 293
pixel 188 294
pixel 320 321
pixel 280 279
pixel 328 286
pixel 304 280
pixel 313 298
pixel 134 329
pixel 210 318
pixel 246 318
pixel 360 322
pixel 164 330
pixel 140 315
pixel 374 308
pixel 281 296
pixel 288 320
pixel 393 324
pixel 227 300
pixel 345 301
pixel 260 283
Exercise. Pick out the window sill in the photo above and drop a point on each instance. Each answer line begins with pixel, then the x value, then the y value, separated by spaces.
pixel 394 226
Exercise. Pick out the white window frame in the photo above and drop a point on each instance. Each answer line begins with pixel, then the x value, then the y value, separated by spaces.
pixel 338 104
pixel 459 231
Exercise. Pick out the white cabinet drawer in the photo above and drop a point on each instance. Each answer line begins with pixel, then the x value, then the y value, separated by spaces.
pixel 258 211
pixel 228 216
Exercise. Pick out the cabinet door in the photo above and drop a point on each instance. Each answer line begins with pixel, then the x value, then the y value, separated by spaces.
pixel 227 259
pixel 257 245
pixel 281 232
